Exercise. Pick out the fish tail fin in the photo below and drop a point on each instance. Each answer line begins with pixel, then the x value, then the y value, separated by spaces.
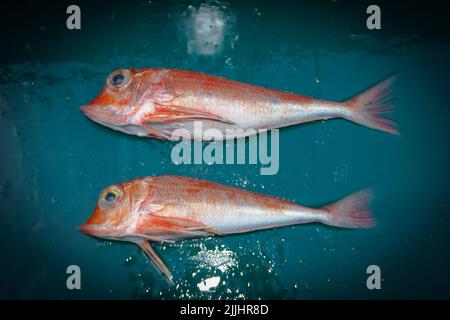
pixel 368 106
pixel 351 212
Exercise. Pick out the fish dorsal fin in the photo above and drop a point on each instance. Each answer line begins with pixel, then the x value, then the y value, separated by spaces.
pixel 146 246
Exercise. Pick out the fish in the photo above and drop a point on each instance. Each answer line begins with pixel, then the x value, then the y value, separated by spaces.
pixel 171 208
pixel 167 103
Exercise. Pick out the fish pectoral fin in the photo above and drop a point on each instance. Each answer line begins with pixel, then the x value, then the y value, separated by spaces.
pixel 147 248
pixel 170 113
pixel 156 224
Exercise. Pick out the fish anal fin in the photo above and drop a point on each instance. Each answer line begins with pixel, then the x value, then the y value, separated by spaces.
pixel 147 248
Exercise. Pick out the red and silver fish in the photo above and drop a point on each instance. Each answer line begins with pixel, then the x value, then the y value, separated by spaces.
pixel 170 208
pixel 155 102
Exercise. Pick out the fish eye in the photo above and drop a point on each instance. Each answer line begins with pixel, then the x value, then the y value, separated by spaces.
pixel 109 197
pixel 119 79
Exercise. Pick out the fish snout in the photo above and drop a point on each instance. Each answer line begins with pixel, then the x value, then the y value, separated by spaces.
pixel 103 115
pixel 94 112
pixel 95 230
pixel 87 229
pixel 87 110
pixel 102 231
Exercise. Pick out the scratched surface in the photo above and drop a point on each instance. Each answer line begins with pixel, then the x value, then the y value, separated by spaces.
pixel 54 161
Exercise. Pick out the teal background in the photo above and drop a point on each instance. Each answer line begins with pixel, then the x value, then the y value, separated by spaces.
pixel 54 161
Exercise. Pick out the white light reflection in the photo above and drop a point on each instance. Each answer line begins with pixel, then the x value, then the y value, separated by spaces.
pixel 207 27
pixel 208 284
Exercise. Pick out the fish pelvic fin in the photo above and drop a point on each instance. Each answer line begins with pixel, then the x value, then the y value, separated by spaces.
pixel 367 107
pixel 147 248
pixel 351 212
pixel 155 133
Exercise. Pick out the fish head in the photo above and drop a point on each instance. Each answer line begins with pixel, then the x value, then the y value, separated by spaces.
pixel 128 101
pixel 114 212
pixel 114 106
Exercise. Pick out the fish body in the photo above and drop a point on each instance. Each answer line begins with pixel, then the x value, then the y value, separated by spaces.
pixel 157 102
pixel 171 208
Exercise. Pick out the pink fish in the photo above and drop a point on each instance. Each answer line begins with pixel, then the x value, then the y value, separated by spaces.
pixel 156 102
pixel 171 208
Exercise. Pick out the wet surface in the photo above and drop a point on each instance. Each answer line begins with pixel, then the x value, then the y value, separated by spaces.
pixel 55 161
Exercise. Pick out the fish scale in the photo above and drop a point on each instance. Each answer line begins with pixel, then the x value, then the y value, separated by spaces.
pixel 158 101
pixel 171 208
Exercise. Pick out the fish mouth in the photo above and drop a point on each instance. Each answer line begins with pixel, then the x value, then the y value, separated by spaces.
pixel 115 123
pixel 90 112
pixel 95 230
pixel 102 232
pixel 88 229
pixel 98 114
